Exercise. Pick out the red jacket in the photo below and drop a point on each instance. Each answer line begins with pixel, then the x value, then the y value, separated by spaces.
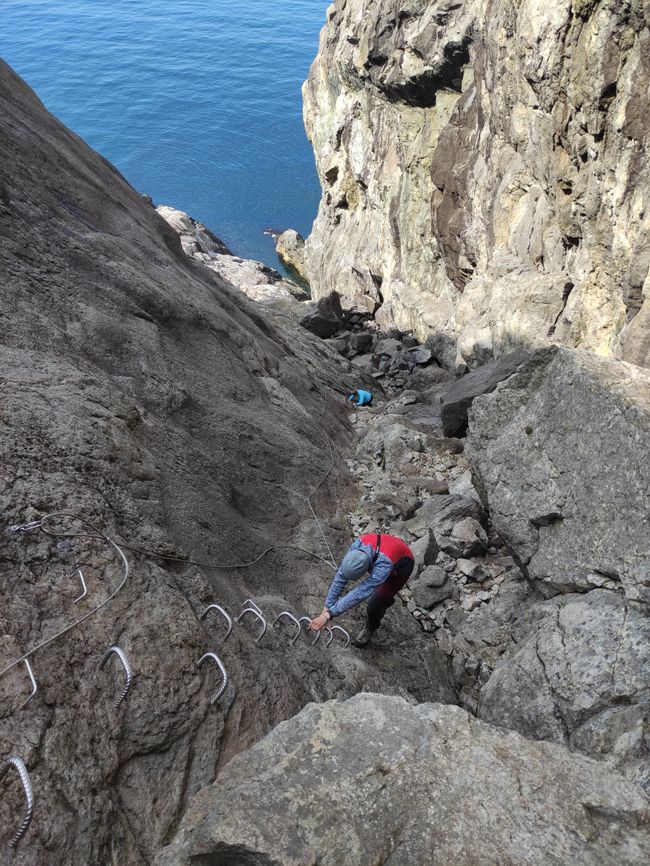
pixel 390 545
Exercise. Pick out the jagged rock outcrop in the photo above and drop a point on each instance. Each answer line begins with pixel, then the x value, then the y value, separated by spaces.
pixel 290 247
pixel 561 449
pixel 146 394
pixel 485 171
pixel 376 780
pixel 257 280
pixel 580 675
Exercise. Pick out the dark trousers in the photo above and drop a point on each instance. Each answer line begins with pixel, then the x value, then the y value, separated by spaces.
pixel 384 596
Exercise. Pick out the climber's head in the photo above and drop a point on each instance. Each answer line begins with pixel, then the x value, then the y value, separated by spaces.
pixel 355 564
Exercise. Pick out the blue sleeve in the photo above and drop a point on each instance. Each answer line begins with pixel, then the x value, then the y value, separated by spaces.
pixel 339 582
pixel 380 572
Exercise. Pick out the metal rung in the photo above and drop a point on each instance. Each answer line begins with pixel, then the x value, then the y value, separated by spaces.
pixel 215 658
pixel 116 650
pixel 83 586
pixel 256 612
pixel 294 620
pixel 250 603
pixel 331 630
pixel 224 613
pixel 30 673
pixel 307 620
pixel 19 765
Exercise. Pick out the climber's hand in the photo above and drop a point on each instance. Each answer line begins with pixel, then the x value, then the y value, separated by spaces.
pixel 319 622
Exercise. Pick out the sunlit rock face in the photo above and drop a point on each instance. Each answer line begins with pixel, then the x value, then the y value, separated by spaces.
pixel 485 172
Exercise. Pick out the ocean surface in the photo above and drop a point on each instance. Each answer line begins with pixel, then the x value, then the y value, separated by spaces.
pixel 197 104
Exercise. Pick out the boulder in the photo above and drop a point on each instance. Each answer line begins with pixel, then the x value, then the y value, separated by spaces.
pixel 431 587
pixel 326 317
pixel 561 451
pixel 441 513
pixel 360 343
pixel 389 346
pixel 339 344
pixel 578 673
pixel 378 780
pixel 457 399
pixel 419 355
pixel 290 247
pixel 467 538
pixel 425 552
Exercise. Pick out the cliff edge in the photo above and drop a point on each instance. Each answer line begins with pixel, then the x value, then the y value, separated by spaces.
pixel 485 171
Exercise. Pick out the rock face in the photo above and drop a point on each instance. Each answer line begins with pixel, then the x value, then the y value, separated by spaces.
pixel 485 171
pixel 260 282
pixel 290 247
pixel 561 450
pixel 580 675
pixel 376 780
pixel 457 399
pixel 147 395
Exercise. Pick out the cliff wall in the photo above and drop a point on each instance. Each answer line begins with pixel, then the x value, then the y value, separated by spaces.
pixel 485 171
pixel 143 393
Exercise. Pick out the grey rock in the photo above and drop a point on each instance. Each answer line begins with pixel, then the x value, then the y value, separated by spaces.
pixel 469 567
pixel 467 538
pixel 376 774
pixel 290 247
pixel 434 575
pixel 339 344
pixel 143 392
pixel 419 355
pixel 360 343
pixel 579 674
pixel 388 347
pixel 425 552
pixel 441 513
pixel 561 452
pixel 255 279
pixel 324 318
pixel 463 485
pixel 431 587
pixel 418 120
pixel 366 363
pixel 457 399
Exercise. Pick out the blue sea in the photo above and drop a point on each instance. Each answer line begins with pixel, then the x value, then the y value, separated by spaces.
pixel 197 104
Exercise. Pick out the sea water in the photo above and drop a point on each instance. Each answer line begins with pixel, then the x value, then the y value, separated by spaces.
pixel 197 104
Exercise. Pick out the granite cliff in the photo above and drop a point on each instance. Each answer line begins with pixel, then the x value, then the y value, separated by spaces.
pixel 485 171
pixel 143 393
pixel 485 189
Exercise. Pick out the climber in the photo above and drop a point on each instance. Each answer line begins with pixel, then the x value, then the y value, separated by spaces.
pixel 386 562
pixel 363 398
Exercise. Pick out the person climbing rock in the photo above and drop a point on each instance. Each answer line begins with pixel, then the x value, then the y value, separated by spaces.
pixel 363 398
pixel 387 563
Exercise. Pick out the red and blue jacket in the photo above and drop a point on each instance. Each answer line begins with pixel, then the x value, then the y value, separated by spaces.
pixel 391 550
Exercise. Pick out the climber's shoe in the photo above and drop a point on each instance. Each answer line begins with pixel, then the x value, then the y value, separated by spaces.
pixel 363 638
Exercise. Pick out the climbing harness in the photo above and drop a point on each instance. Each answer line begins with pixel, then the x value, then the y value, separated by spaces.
pixel 116 650
pixel 19 765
